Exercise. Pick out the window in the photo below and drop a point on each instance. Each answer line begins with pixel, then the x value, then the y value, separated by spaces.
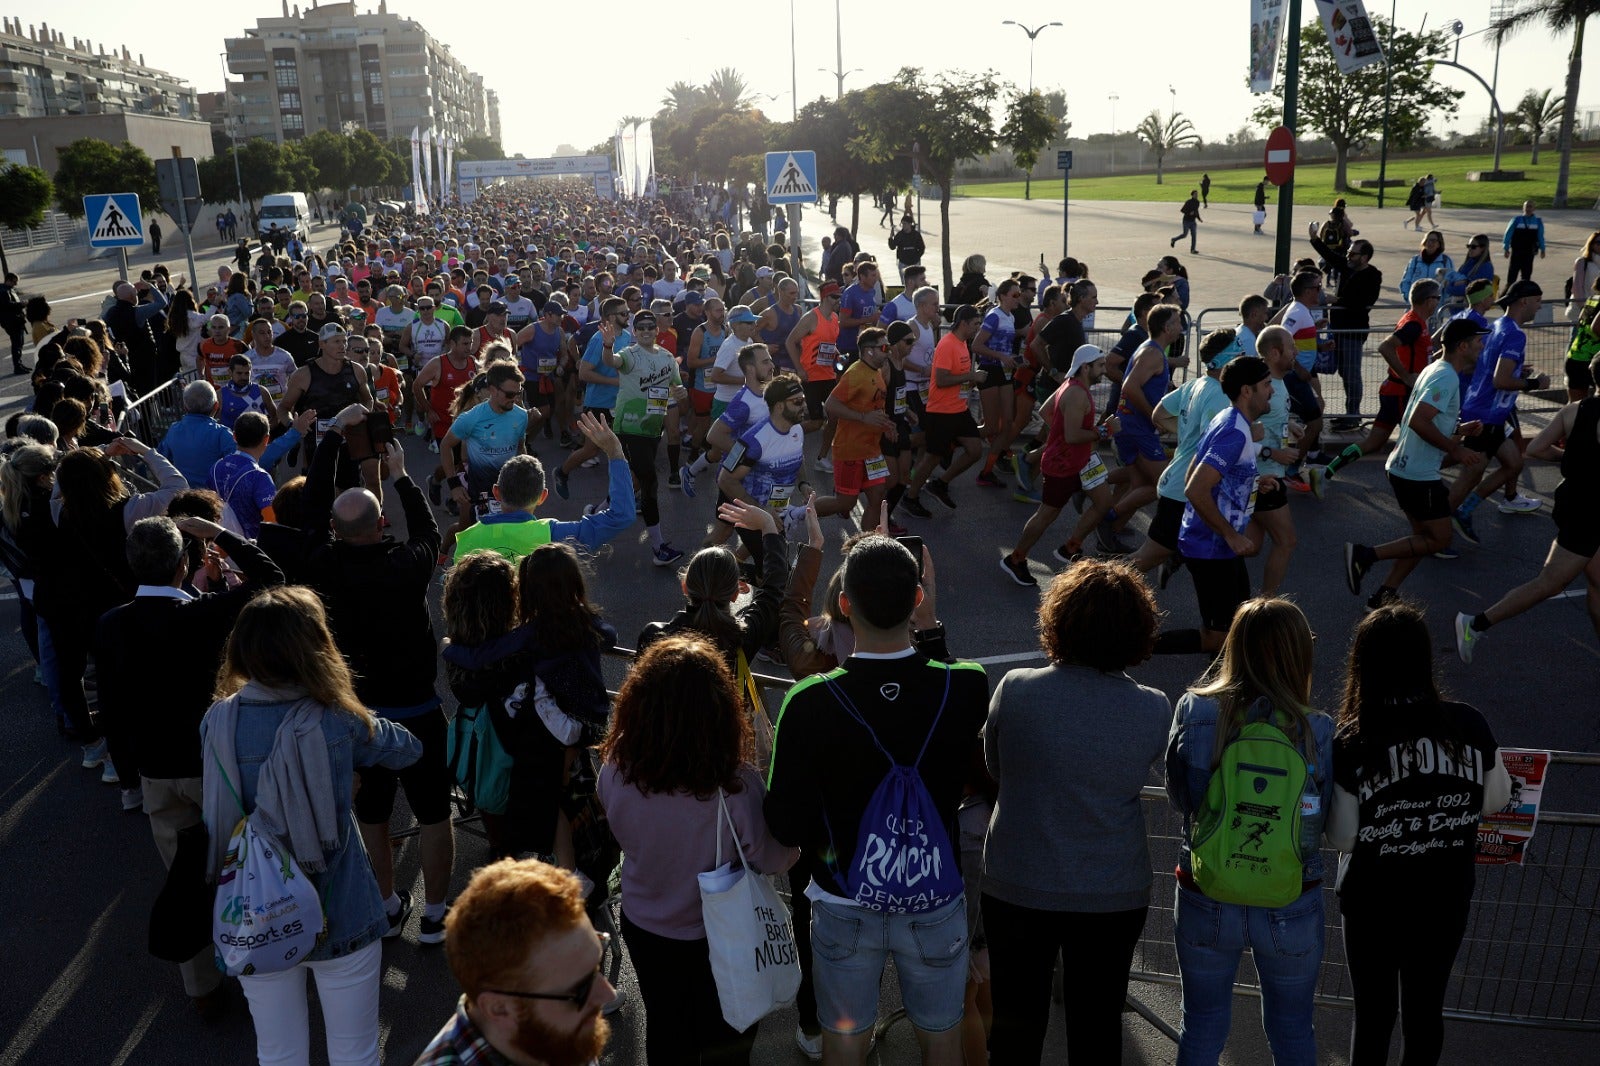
pixel 288 76
pixel 289 101
pixel 294 122
pixel 375 95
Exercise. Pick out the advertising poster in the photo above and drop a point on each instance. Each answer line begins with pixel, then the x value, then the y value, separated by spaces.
pixel 1266 31
pixel 1503 836
pixel 1350 34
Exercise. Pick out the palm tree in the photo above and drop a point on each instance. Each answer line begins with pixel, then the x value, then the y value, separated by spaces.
pixel 727 89
pixel 1536 113
pixel 1559 16
pixel 681 99
pixel 1163 137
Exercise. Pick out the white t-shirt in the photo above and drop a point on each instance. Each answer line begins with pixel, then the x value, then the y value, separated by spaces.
pixel 666 290
pixel 272 371
pixel 728 361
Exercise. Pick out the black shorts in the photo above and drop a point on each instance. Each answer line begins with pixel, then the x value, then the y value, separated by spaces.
pixel 1421 501
pixel 1220 587
pixel 994 377
pixel 944 430
pixel 1303 402
pixel 1271 501
pixel 1580 374
pixel 817 393
pixel 602 413
pixel 427 781
pixel 1391 409
pixel 1164 526
pixel 1577 524
pixel 1487 441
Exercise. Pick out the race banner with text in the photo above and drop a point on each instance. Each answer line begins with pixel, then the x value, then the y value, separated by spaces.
pixel 1350 34
pixel 1266 31
pixel 1503 836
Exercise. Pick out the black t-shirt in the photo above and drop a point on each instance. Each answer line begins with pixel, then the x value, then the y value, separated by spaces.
pixel 1420 799
pixel 1062 339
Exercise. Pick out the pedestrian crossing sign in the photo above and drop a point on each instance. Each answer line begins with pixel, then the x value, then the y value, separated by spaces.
pixel 791 177
pixel 114 219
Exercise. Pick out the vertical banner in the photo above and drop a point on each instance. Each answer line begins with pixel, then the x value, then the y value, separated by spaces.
pixel 630 155
pixel 419 192
pixel 1504 835
pixel 1350 34
pixel 645 160
pixel 449 162
pixel 1266 32
pixel 427 162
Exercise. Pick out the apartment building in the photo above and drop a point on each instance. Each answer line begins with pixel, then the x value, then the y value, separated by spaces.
pixel 43 74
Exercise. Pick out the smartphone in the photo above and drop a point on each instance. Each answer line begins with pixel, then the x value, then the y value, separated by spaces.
pixel 914 546
pixel 380 428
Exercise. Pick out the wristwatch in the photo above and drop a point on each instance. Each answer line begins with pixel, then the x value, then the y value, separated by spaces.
pixel 1266 451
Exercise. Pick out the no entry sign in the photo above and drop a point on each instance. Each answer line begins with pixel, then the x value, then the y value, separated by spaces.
pixel 1280 155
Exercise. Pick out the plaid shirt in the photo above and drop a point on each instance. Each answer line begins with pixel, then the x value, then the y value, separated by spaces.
pixel 461 1043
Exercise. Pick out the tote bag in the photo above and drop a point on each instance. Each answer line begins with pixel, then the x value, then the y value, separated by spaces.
pixel 752 941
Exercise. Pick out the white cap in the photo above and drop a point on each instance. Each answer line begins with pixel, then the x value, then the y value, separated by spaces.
pixel 1086 354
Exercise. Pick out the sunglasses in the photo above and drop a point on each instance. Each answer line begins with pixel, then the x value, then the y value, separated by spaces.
pixel 580 992
pixel 511 394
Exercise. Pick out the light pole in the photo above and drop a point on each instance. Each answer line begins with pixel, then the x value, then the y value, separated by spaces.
pixel 841 75
pixel 1113 98
pixel 233 135
pixel 794 70
pixel 838 70
pixel 1033 35
pixel 1388 92
pixel 1499 11
pixel 1174 93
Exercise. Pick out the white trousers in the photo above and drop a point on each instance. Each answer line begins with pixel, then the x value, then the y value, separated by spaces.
pixel 348 991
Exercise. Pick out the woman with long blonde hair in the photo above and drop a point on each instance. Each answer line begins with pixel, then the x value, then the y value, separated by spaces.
pixel 1264 673
pixel 283 742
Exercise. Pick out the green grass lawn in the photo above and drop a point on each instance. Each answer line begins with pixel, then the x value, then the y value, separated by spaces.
pixel 1314 182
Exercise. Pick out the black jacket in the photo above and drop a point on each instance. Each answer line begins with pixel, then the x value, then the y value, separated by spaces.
pixel 376 594
pixel 157 659
pixel 1357 293
pixel 758 619
pixel 123 323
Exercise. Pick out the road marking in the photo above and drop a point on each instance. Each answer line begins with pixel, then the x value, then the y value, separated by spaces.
pixel 8 595
pixel 1016 657
pixel 61 990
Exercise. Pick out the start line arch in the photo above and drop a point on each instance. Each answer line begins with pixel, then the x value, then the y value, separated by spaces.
pixel 469 174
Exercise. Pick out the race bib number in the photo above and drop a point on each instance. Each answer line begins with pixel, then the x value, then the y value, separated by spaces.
pixel 925 390
pixel 877 469
pixel 383 396
pixel 547 364
pixel 827 351
pixel 1093 474
pixel 325 424
pixel 780 497
pixel 656 401
pixel 902 402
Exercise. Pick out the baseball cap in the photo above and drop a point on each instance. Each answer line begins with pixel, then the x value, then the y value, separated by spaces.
pixel 644 318
pixel 1086 354
pixel 1518 290
pixel 1459 329
pixel 512 279
pixel 828 289
pixel 332 329
pixel 693 298
pixel 552 307
pixel 763 272
pixel 741 313
pixel 965 313
pixel 497 307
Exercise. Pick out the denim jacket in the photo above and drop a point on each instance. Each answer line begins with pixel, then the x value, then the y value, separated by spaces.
pixel 1190 749
pixel 348 891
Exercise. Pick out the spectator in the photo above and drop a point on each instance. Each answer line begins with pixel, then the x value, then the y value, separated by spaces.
pixel 528 963
pixel 1430 260
pixel 1266 659
pixel 282 676
pixel 197 440
pixel 243 480
pixel 680 747
pixel 1066 865
pixel 131 328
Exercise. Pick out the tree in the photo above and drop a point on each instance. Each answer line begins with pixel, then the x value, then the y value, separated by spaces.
pixel 299 171
pixel 24 194
pixel 730 137
pixel 90 165
pixel 727 89
pixel 481 148
pixel 681 100
pixel 1348 109
pixel 1029 126
pixel 330 154
pixel 948 116
pixel 1163 137
pixel 372 162
pixel 1536 113
pixel 1559 16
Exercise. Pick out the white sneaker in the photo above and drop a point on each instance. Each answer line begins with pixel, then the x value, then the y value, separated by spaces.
pixel 133 799
pixel 592 461
pixel 1520 505
pixel 94 754
pixel 810 1046
pixel 108 774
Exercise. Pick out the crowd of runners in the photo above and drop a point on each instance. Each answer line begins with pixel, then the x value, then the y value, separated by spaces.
pixel 537 331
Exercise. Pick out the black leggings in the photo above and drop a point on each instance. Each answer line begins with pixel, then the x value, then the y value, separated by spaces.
pixel 1023 945
pixel 683 1016
pixel 641 455
pixel 1400 958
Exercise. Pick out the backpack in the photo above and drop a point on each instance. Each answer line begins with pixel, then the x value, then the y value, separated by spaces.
pixel 1245 843
pixel 478 760
pixel 903 862
pixel 1332 234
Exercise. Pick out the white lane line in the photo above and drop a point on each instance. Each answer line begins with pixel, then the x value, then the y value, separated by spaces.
pixel 1016 657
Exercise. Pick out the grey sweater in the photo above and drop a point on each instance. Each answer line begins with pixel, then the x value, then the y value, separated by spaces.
pixel 1071 747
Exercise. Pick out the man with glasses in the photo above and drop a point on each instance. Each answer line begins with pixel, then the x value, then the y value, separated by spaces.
pixel 298 340
pixel 648 381
pixel 813 347
pixel 519 309
pixel 857 403
pixel 529 963
pixel 492 432
pixel 1360 288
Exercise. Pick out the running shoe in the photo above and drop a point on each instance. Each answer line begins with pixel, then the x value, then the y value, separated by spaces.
pixel 133 799
pixel 686 481
pixel 1065 557
pixel 562 488
pixel 1296 483
pixel 1111 542
pixel 1382 598
pixel 108 773
pixel 434 496
pixel 989 480
pixel 1463 525
pixel 940 491
pixel 1354 569
pixel 825 465
pixel 1447 553
pixel 94 754
pixel 1027 497
pixel 1169 567
pixel 810 1046
pixel 397 920
pixel 1018 571
pixel 1466 637
pixel 913 506
pixel 675 479
pixel 1520 505
pixel 566 441
pixel 1319 458
pixel 1317 481
pixel 665 555
pixel 433 446
pixel 1024 474
pixel 431 930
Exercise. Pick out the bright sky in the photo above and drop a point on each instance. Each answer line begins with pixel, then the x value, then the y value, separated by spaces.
pixel 1199 50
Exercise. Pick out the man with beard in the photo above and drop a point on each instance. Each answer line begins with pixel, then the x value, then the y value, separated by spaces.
pixel 529 965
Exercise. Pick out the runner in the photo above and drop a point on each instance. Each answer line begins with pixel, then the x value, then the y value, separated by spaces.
pixel 1280 452
pixel 857 403
pixel 488 435
pixel 600 387
pixel 995 348
pixel 1576 549
pixel 764 465
pixel 780 318
pixel 947 418
pixel 270 366
pixel 435 393
pixel 1069 464
pixel 702 353
pixel 1139 448
pixel 813 347
pixel 543 346
pixel 1431 430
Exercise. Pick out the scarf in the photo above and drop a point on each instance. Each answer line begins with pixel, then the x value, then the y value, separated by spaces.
pixel 294 792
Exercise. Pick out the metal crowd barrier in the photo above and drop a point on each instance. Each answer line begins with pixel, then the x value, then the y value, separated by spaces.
pixel 1531 956
pixel 151 415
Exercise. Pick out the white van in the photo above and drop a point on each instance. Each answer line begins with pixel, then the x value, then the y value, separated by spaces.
pixel 287 211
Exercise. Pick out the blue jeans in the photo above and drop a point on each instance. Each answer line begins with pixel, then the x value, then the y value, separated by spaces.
pixel 849 946
pixel 1287 944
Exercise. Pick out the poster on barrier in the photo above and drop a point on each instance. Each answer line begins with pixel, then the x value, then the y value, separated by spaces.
pixel 1503 836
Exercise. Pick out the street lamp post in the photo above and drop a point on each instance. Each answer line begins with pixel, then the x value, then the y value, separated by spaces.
pixel 838 70
pixel 233 133
pixel 1033 35
pixel 1113 97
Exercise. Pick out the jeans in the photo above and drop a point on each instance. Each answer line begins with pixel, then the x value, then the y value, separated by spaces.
pixel 1287 945
pixel 347 988
pixel 683 1015
pixel 1023 945
pixel 850 945
pixel 1349 348
pixel 1400 958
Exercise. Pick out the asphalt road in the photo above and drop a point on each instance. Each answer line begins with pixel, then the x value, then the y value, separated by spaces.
pixel 78 876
